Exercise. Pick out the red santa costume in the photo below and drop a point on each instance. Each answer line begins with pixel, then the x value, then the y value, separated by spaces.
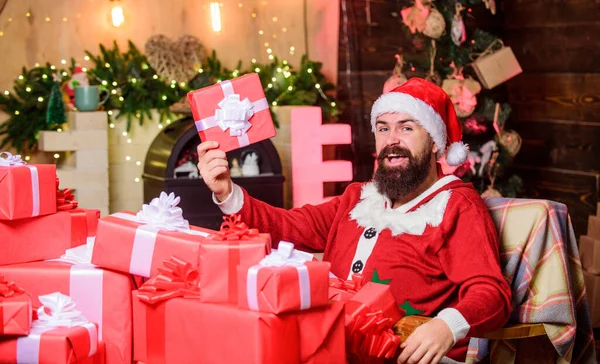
pixel 438 252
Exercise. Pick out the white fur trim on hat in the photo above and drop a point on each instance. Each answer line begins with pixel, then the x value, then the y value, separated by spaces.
pixel 457 153
pixel 425 115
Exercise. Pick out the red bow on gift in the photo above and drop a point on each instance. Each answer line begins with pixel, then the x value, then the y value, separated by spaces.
pixel 369 333
pixel 352 285
pixel 65 200
pixel 9 289
pixel 233 228
pixel 176 278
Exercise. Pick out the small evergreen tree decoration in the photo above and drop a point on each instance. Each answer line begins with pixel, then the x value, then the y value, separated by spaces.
pixel 56 114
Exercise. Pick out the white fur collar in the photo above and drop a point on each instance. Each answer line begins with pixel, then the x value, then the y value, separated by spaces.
pixel 374 210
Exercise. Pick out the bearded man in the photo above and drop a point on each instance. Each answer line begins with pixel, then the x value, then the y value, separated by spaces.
pixel 429 236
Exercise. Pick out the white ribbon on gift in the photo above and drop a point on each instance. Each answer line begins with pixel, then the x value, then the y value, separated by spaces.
pixel 15 160
pixel 62 314
pixel 161 214
pixel 233 114
pixel 86 282
pixel 285 255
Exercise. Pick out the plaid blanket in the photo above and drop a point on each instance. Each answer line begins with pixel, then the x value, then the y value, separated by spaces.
pixel 540 260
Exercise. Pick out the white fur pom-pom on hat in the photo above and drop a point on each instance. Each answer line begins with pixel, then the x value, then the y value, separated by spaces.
pixel 433 110
pixel 457 153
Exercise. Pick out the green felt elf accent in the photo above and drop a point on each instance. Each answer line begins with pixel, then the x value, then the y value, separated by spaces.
pixel 376 279
pixel 409 309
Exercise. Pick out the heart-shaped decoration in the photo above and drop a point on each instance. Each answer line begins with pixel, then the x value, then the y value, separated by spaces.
pixel 179 60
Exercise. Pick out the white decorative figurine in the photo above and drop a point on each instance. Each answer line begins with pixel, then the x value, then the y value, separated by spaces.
pixel 188 167
pixel 250 165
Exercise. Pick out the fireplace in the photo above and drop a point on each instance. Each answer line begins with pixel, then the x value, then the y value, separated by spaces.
pixel 170 166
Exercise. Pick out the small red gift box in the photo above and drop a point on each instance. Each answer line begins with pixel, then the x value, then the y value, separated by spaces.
pixel 102 296
pixel 238 105
pixel 15 309
pixel 138 244
pixel 61 345
pixel 182 331
pixel 370 315
pixel 26 190
pixel 222 253
pixel 45 237
pixel 284 281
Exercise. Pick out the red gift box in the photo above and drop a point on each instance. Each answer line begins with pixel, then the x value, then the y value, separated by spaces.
pixel 127 245
pixel 26 190
pixel 238 105
pixel 221 254
pixel 274 287
pixel 370 315
pixel 102 296
pixel 15 309
pixel 62 345
pixel 188 331
pixel 45 237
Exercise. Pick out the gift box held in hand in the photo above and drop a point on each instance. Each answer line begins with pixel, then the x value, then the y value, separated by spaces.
pixel 15 309
pixel 59 335
pixel 138 243
pixel 221 254
pixel 286 280
pixel 234 113
pixel 102 296
pixel 26 190
pixel 172 326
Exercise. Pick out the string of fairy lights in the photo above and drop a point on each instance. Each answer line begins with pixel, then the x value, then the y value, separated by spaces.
pixel 118 18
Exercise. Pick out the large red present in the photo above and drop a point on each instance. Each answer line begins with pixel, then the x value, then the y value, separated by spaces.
pixel 184 330
pixel 221 254
pixel 238 105
pixel 15 309
pixel 138 243
pixel 45 237
pixel 286 280
pixel 102 296
pixel 26 190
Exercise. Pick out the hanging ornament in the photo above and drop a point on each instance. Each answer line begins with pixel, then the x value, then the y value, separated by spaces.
pixel 415 17
pixel 463 92
pixel 474 127
pixel 491 192
pixel 458 30
pixel 397 78
pixel 433 76
pixel 509 139
pixel 490 5
pixel 487 152
pixel 435 25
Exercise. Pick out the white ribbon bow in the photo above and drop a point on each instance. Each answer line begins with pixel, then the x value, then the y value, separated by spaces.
pixel 286 255
pixel 62 312
pixel 162 212
pixel 11 160
pixel 234 114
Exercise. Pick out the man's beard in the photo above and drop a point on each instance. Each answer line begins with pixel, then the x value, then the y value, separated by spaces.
pixel 397 182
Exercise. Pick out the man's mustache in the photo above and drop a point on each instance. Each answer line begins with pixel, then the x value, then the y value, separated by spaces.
pixel 394 149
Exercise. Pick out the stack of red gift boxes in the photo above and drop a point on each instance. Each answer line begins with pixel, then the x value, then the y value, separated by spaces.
pixel 148 287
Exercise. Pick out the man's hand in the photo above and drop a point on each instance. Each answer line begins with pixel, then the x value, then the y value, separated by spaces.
pixel 214 169
pixel 427 344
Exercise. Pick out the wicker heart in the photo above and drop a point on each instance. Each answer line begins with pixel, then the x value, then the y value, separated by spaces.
pixel 179 60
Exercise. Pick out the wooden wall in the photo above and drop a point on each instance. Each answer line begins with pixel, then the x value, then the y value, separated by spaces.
pixel 556 101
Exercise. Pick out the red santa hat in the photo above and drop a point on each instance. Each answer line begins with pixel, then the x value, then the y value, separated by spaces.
pixel 432 109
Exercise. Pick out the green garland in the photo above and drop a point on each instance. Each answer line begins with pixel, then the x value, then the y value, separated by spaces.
pixel 135 89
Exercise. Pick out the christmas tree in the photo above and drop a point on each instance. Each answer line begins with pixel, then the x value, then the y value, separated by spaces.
pixel 446 52
pixel 56 114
